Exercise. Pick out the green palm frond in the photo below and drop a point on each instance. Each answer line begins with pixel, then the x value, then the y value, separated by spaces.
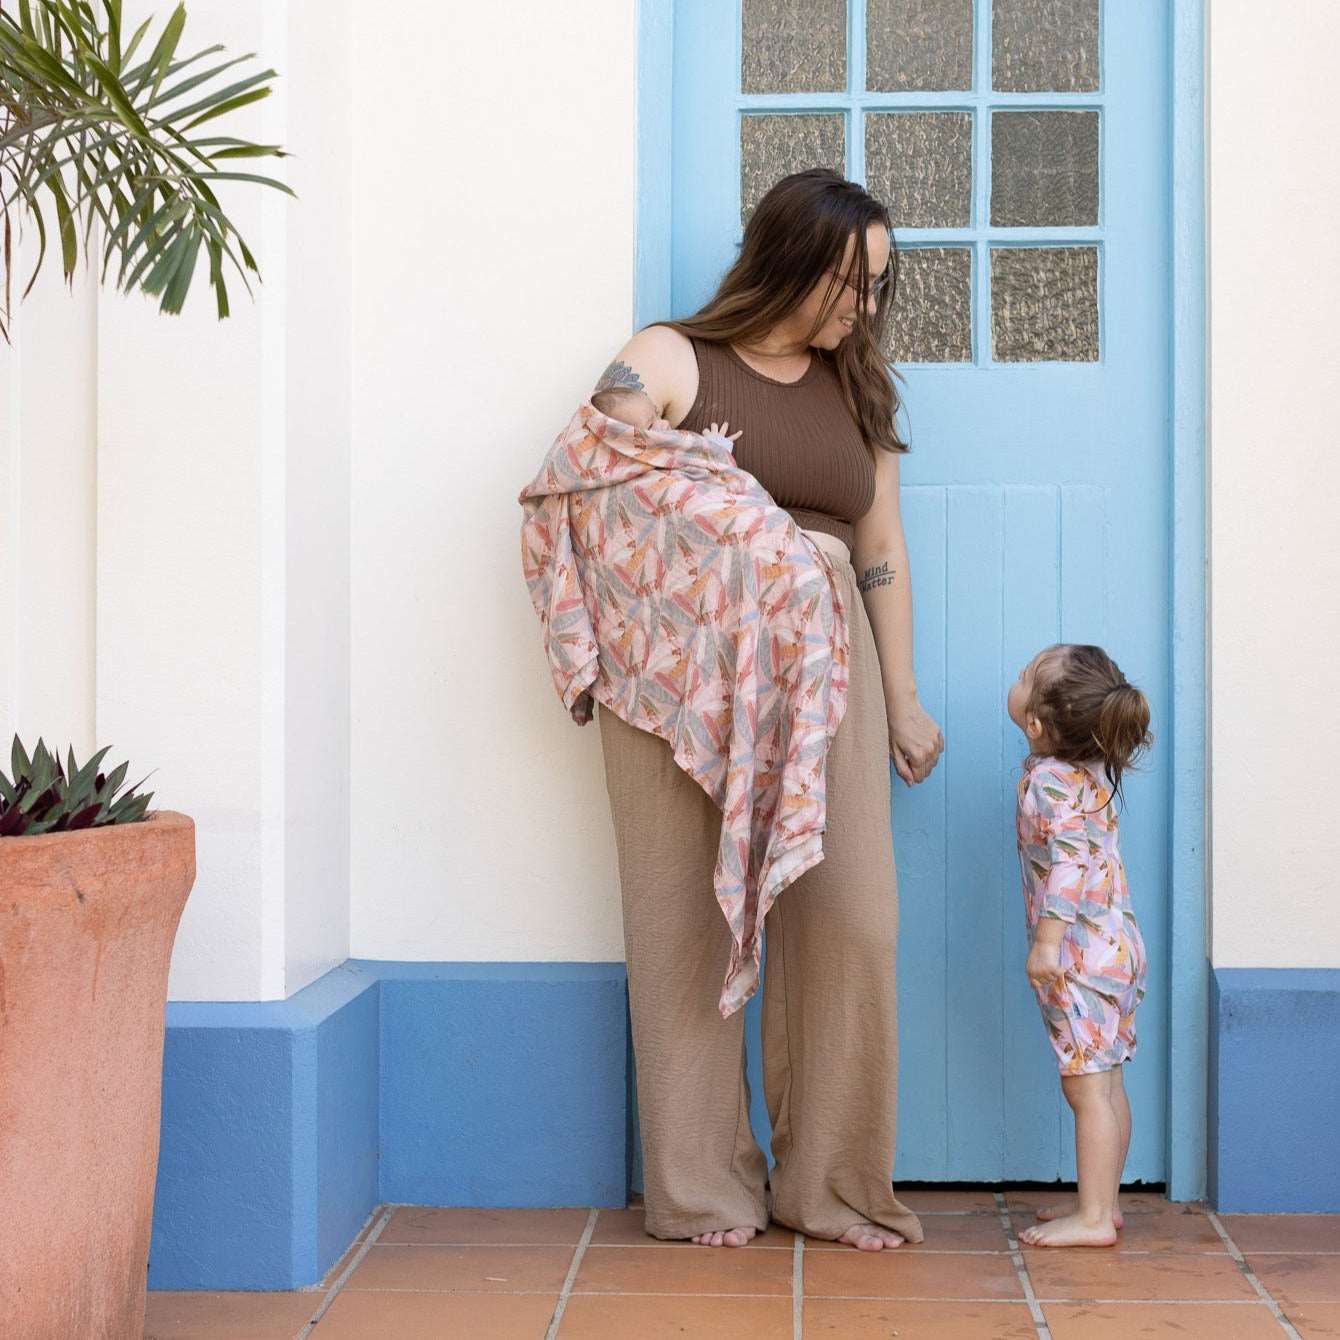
pixel 101 148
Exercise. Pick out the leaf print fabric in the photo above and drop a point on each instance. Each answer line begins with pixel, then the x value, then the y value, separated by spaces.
pixel 672 590
pixel 1072 871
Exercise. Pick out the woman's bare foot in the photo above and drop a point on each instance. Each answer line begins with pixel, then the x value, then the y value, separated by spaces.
pixel 871 1238
pixel 1070 1231
pixel 1050 1212
pixel 725 1237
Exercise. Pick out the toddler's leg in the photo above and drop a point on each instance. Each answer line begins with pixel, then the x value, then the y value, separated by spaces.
pixel 1098 1154
pixel 1122 1110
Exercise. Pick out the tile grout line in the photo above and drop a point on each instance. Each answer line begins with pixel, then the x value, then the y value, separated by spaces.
pixel 1266 1296
pixel 798 1287
pixel 1021 1270
pixel 826 1297
pixel 824 1246
pixel 364 1248
pixel 571 1278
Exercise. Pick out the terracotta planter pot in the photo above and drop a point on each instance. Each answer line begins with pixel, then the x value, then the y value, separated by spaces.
pixel 87 922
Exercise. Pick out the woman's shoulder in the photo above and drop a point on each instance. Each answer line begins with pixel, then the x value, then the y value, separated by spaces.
pixel 662 361
pixel 663 338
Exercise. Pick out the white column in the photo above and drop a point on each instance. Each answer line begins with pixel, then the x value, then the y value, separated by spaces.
pixel 222 541
pixel 317 92
pixel 1274 479
pixel 47 490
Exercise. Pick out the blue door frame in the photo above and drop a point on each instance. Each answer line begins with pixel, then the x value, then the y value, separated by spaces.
pixel 1187 1043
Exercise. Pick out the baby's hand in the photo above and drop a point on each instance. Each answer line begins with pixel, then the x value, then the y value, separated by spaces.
pixel 1044 965
pixel 720 431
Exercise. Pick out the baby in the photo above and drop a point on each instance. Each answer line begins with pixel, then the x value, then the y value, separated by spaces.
pixel 630 404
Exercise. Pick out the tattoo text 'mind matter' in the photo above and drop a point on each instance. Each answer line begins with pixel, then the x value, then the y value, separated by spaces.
pixel 879 575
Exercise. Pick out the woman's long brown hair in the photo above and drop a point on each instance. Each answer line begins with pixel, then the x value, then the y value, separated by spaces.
pixel 794 240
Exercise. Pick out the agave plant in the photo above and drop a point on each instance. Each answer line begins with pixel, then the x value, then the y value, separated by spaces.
pixel 44 797
pixel 101 133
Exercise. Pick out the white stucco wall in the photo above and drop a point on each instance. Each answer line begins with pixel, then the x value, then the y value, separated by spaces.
pixel 174 533
pixel 281 562
pixel 48 512
pixel 493 283
pixel 1274 481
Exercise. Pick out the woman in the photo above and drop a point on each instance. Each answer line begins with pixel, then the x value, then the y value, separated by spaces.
pixel 788 353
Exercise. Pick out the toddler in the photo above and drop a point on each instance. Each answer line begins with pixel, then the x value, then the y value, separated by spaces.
pixel 1085 725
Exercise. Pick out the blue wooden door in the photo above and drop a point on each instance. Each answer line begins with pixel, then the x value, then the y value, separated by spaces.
pixel 1023 149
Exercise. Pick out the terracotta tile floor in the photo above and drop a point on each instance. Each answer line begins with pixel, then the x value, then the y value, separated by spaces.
pixel 423 1274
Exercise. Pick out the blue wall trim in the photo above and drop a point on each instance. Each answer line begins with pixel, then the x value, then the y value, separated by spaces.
pixel 286 1122
pixel 268 1157
pixel 504 1087
pixel 655 75
pixel 1275 1090
pixel 1188 1043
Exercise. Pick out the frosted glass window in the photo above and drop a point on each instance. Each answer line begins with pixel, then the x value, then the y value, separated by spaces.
pixel 774 145
pixel 1044 304
pixel 918 45
pixel 932 308
pixel 794 46
pixel 920 165
pixel 1045 46
pixel 1044 169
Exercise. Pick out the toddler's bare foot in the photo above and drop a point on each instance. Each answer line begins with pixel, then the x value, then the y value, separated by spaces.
pixel 1050 1212
pixel 725 1237
pixel 871 1238
pixel 1071 1231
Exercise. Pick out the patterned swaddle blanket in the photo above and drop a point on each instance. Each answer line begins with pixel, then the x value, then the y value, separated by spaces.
pixel 675 592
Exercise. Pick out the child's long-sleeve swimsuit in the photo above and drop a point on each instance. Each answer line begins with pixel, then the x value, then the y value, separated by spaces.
pixel 1072 871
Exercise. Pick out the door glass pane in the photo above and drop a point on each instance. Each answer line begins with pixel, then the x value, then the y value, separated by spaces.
pixel 773 145
pixel 920 165
pixel 794 46
pixel 918 45
pixel 1044 46
pixel 931 320
pixel 1044 304
pixel 1044 169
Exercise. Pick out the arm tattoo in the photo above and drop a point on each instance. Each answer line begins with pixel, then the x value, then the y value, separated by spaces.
pixel 618 377
pixel 880 575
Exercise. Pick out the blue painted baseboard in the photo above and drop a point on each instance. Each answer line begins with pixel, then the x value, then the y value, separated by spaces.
pixel 286 1122
pixel 1274 1090
pixel 504 1084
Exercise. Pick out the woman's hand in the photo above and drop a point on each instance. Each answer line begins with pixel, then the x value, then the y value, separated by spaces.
pixel 1044 965
pixel 915 741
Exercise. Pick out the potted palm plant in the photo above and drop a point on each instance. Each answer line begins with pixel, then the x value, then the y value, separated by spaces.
pixel 110 149
pixel 109 144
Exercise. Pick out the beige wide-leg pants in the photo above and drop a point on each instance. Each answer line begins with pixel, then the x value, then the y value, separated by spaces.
pixel 830 1042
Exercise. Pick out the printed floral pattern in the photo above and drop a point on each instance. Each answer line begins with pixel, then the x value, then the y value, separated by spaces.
pixel 1072 869
pixel 673 591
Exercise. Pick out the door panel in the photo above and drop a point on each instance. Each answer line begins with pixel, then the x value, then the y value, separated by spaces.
pixel 1027 167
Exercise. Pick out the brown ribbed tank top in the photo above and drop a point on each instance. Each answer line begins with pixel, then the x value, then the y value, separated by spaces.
pixel 799 439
